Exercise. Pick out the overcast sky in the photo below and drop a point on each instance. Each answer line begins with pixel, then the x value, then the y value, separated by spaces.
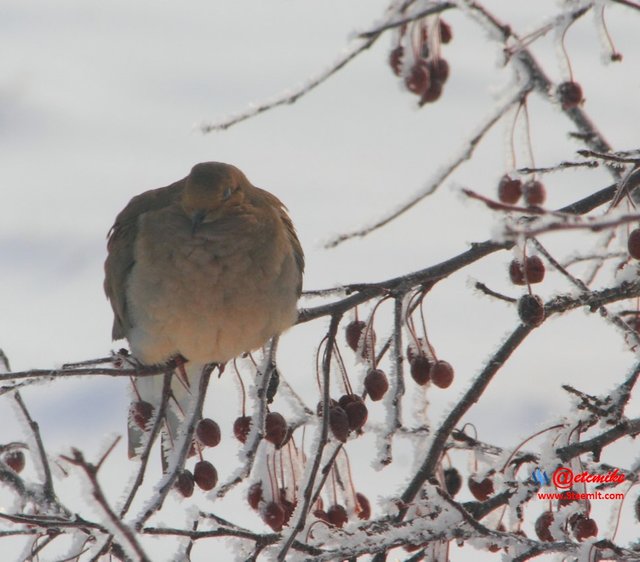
pixel 101 100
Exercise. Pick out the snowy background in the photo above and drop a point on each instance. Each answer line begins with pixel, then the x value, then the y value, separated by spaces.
pixel 102 100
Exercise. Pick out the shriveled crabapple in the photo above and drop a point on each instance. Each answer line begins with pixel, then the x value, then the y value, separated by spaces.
pixel 273 515
pixel 542 526
pixel 184 483
pixel 395 59
pixel 337 515
pixel 439 70
pixel 534 193
pixel 355 409
pixel 570 94
pixel 254 495
pixel 445 32
pixel 531 270
pixel 376 384
pixel 241 428
pixel 432 93
pixel 363 507
pixel 583 527
pixel 208 432
pixel 275 428
pixel 141 412
pixel 321 514
pixel 420 368
pixel 633 243
pixel 480 489
pixel 452 481
pixel 205 475
pixel 287 505
pixel 419 78
pixel 15 460
pixel 353 332
pixel 531 310
pixel 442 374
pixel 339 423
pixel 509 190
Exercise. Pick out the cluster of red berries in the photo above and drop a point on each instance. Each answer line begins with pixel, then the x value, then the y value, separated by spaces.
pixel 207 434
pixel 511 189
pixel 528 271
pixel 336 514
pixel 427 71
pixel 349 413
pixel 361 338
pixel 276 511
pixel 569 94
pixel 424 367
pixel 204 474
pixel 276 429
pixel 580 524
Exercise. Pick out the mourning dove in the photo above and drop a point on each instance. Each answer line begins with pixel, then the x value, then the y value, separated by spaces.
pixel 204 269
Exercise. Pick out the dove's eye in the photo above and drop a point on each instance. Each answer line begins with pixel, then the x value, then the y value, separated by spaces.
pixel 227 193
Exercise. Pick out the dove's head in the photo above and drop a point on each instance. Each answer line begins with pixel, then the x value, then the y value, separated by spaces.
pixel 211 188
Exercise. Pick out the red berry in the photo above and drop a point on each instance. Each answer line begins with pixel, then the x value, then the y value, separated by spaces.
pixel 355 409
pixel 439 70
pixel 531 310
pixel 241 428
pixel 415 349
pixel 339 423
pixel 254 495
pixel 432 93
pixel 337 515
pixel 515 273
pixel 184 483
pixel 421 369
pixel 542 526
pixel 376 384
pixel 452 481
pixel 353 333
pixel 288 506
pixel 633 244
pixel 509 190
pixel 534 269
pixel 205 475
pixel 445 32
pixel 15 460
pixel 275 429
pixel 534 193
pixel 570 95
pixel 442 374
pixel 481 489
pixel 321 514
pixel 208 432
pixel 141 412
pixel 584 527
pixel 363 507
pixel 418 79
pixel 273 515
pixel 395 60
pixel 332 404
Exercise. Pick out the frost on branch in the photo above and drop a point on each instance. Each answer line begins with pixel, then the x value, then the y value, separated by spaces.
pixel 394 395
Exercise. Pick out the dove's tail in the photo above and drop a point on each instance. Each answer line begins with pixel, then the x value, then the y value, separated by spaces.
pixel 147 400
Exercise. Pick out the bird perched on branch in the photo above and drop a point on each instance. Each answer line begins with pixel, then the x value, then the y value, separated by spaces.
pixel 201 270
